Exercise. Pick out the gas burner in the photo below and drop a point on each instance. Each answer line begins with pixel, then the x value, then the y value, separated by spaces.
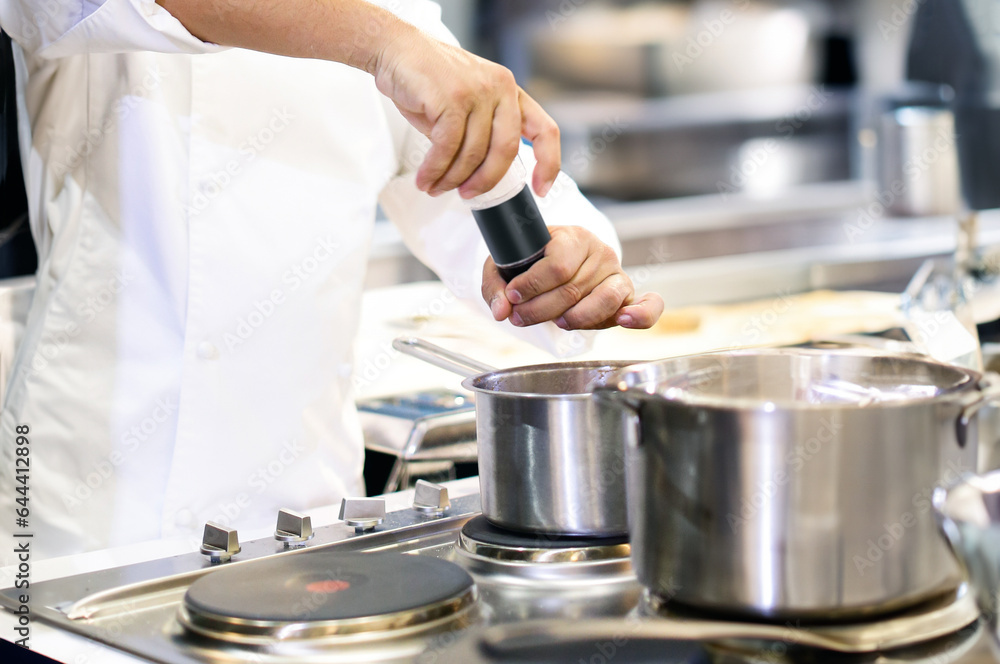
pixel 487 547
pixel 930 620
pixel 321 595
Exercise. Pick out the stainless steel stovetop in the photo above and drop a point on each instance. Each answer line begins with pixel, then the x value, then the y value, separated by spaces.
pixel 573 605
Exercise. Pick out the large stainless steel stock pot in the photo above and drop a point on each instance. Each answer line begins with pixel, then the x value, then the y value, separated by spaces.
pixel 551 459
pixel 796 483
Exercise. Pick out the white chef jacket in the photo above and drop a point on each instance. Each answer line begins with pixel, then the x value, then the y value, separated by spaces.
pixel 203 218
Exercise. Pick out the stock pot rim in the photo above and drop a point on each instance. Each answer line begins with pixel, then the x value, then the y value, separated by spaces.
pixel 969 383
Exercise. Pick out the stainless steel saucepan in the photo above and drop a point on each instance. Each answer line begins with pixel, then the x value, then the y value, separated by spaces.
pixel 551 459
pixel 796 483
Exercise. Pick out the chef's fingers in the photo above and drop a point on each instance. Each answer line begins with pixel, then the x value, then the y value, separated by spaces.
pixel 504 142
pixel 597 309
pixel 493 291
pixel 446 140
pixel 543 132
pixel 564 254
pixel 554 303
pixel 641 313
pixel 473 152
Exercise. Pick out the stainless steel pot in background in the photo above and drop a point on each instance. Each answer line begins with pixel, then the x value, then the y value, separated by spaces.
pixel 796 483
pixel 918 162
pixel 551 459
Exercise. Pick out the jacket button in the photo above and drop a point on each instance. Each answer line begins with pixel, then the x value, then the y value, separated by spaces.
pixel 207 351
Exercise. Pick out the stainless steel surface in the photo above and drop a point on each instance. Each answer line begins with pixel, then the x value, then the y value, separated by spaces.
pixel 551 459
pixel 611 557
pixel 969 514
pixel 918 162
pixel 421 430
pixel 430 498
pixel 763 143
pixel 940 617
pixel 293 528
pixel 219 543
pixel 362 513
pixel 617 641
pixel 880 636
pixel 795 483
pixel 136 609
pixel 320 633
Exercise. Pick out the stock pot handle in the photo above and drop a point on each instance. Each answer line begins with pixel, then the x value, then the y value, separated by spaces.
pixel 989 392
pixel 622 399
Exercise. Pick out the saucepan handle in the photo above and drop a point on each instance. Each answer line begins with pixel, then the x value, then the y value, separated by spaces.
pixel 441 357
pixel 989 392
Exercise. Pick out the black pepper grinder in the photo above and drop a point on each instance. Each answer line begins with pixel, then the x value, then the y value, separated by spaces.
pixel 511 224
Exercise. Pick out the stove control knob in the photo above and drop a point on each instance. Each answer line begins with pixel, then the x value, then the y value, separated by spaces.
pixel 219 543
pixel 293 527
pixel 362 513
pixel 430 498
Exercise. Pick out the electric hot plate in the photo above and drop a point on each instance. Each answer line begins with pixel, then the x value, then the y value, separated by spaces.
pixel 490 550
pixel 482 538
pixel 325 594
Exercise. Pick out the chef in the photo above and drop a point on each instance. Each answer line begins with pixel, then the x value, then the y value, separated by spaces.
pixel 203 216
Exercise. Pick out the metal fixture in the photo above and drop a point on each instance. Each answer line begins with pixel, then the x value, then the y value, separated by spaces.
pixel 362 513
pixel 293 527
pixel 219 543
pixel 430 498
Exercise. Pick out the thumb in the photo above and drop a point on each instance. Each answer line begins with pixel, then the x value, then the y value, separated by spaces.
pixel 642 313
pixel 493 291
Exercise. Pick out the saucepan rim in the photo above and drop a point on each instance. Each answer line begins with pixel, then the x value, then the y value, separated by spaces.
pixel 614 366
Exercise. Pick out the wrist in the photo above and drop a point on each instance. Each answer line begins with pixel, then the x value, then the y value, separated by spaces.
pixel 376 40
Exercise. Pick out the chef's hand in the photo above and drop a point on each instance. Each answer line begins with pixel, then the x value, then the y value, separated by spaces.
pixel 471 109
pixel 579 284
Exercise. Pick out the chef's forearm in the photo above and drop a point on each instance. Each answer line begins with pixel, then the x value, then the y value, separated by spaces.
pixel 353 32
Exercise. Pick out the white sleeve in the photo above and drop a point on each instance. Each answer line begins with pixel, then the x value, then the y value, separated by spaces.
pixel 51 29
pixel 442 233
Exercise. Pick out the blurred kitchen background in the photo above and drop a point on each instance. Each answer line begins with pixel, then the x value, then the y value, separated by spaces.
pixel 758 145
